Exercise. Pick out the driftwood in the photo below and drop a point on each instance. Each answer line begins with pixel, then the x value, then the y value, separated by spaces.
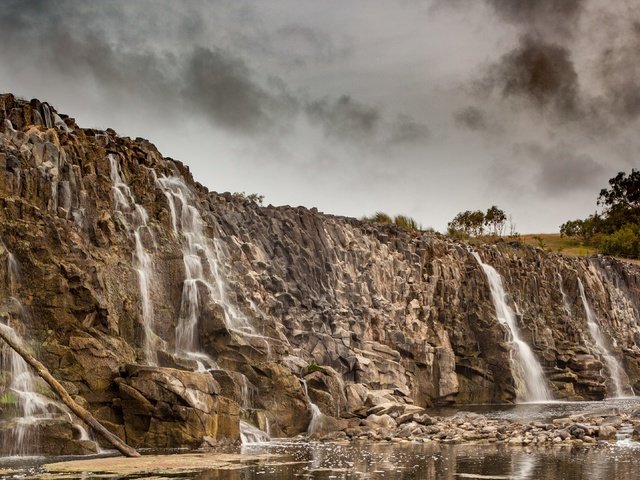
pixel 81 412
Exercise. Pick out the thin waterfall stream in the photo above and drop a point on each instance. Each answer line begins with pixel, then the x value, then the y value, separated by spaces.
pixel 532 385
pixel 613 366
pixel 135 220
pixel 203 264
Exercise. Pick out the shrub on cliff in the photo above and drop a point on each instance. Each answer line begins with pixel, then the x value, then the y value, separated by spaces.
pixel 252 197
pixel 403 222
pixel 379 217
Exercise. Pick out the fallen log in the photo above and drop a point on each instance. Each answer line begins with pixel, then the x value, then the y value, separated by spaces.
pixel 82 413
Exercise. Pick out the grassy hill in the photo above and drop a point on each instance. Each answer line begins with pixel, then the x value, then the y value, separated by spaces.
pixel 553 242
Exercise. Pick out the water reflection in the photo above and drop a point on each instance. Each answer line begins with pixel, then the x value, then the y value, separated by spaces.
pixel 428 461
pixel 290 460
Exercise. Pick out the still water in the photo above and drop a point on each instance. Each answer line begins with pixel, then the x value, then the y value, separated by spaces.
pixel 388 460
pixel 414 461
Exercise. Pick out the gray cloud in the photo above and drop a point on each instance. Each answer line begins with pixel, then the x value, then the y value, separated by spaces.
pixel 406 129
pixel 214 82
pixel 619 71
pixel 222 87
pixel 542 73
pixel 560 169
pixel 542 67
pixel 472 118
pixel 305 45
pixel 345 118
pixel 551 17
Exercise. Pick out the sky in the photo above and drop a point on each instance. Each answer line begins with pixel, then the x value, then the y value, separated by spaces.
pixel 422 108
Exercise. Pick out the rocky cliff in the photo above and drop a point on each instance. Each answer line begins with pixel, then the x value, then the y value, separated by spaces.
pixel 172 312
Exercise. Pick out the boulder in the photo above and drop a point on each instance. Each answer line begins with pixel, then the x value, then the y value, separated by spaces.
pixel 167 408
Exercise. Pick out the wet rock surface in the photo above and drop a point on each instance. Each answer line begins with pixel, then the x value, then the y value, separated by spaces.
pixel 376 321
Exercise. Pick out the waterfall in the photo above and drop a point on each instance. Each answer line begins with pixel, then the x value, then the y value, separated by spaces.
pixel 21 438
pixel 565 299
pixel 135 220
pixel 531 384
pixel 47 115
pixel 203 264
pixel 615 369
pixel 250 434
pixel 316 414
pixel 59 123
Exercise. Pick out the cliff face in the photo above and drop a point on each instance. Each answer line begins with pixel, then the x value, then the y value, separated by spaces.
pixel 171 311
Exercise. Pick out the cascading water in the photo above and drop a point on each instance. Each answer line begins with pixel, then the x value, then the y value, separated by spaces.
pixel 565 299
pixel 615 369
pixel 203 268
pixel 250 434
pixel 135 219
pixel 528 372
pixel 316 414
pixel 20 436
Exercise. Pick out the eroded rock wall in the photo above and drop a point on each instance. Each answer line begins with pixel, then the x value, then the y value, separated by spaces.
pixel 355 307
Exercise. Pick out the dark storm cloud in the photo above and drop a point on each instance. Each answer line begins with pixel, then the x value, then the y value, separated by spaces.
pixel 344 118
pixel 79 42
pixel 541 67
pixel 542 73
pixel 213 82
pixel 560 169
pixel 221 86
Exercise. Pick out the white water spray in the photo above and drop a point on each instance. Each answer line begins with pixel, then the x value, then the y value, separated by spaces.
pixel 135 219
pixel 531 385
pixel 30 406
pixel 47 115
pixel 615 369
pixel 316 414
pixel 250 435
pixel 565 299
pixel 203 262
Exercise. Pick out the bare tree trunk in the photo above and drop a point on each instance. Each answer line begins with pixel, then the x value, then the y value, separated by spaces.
pixel 81 412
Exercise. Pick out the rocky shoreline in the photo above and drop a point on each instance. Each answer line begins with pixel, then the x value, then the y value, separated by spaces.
pixel 472 428
pixel 395 422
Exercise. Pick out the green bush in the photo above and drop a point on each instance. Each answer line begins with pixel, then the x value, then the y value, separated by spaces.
pixel 252 197
pixel 625 242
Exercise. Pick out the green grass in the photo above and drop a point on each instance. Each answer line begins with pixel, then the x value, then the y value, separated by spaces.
pixel 553 242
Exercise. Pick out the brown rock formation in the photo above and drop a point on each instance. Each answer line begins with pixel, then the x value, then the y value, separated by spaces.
pixel 375 307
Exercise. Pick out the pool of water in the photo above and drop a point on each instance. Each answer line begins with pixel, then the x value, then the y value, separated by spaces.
pixel 313 460
pixel 287 459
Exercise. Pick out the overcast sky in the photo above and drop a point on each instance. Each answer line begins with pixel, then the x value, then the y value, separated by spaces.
pixel 420 108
